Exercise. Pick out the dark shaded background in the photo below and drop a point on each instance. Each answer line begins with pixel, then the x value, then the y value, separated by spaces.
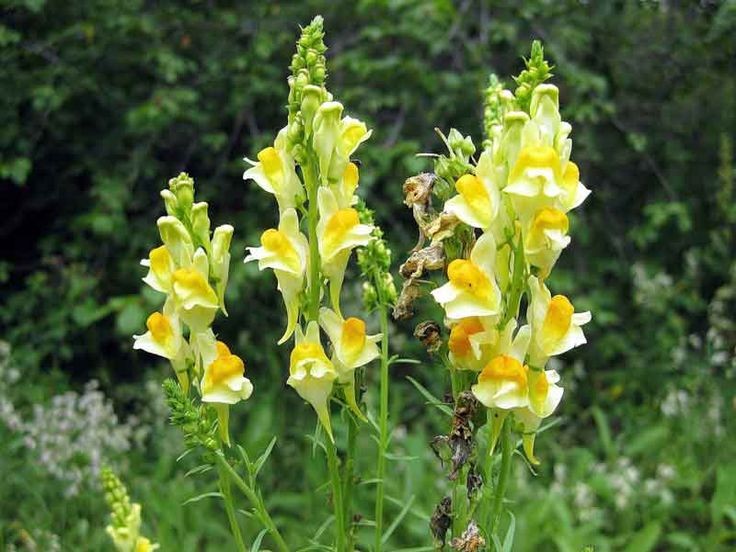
pixel 103 101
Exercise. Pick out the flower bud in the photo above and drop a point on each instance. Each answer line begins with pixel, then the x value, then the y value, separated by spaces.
pixel 172 206
pixel 201 224
pixel 311 100
pixel 177 240
pixel 183 188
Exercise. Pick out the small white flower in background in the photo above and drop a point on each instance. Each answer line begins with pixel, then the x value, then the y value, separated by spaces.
pixel 72 435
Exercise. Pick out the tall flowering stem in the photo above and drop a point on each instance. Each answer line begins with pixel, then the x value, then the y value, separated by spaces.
pixel 190 268
pixel 502 227
pixel 379 294
pixel 311 174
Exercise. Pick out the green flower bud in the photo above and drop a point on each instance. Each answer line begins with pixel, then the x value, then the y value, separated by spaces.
pixel 176 239
pixel 201 224
pixel 183 188
pixel 170 202
pixel 311 100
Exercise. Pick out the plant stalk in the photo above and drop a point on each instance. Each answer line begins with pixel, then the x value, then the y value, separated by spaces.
pixel 255 500
pixel 382 426
pixel 227 498
pixel 503 477
pixel 332 464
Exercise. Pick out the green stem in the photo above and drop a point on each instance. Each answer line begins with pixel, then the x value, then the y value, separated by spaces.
pixel 227 498
pixel 332 464
pixel 517 284
pixel 503 477
pixel 255 500
pixel 315 281
pixel 382 426
pixel 311 183
pixel 348 472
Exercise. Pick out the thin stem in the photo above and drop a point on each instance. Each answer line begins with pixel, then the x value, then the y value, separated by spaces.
pixel 383 427
pixel 315 287
pixel 503 477
pixel 227 498
pixel 336 495
pixel 348 472
pixel 255 500
pixel 517 284
pixel 315 281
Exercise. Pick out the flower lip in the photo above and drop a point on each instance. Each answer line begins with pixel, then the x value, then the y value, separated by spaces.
pixel 465 275
pixel 160 327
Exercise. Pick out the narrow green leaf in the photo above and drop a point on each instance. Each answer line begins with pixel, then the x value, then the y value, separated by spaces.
pixel 197 498
pixel 431 399
pixel 508 541
pixel 395 523
pixel 263 457
pixel 256 546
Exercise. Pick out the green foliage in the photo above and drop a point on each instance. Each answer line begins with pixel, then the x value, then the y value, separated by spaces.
pixel 106 99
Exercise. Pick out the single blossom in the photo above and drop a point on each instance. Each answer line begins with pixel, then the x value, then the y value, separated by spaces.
pixel 224 380
pixel 478 200
pixel 545 236
pixel 164 335
pixel 352 348
pixel 194 298
pixel 472 289
pixel 335 139
pixel 339 231
pixel 503 383
pixel 286 251
pixel 276 174
pixel 161 266
pixel 311 373
pixel 556 327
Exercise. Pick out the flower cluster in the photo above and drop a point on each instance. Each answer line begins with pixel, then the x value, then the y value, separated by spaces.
pixel 318 229
pixel 508 220
pixel 191 269
pixel 125 518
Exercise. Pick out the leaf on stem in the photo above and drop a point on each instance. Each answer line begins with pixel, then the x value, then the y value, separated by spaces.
pixel 431 399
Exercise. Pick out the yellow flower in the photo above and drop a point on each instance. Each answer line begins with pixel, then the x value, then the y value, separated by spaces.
pixel 544 397
pixel 556 327
pixel 160 268
pixel 311 373
pixel 573 191
pixel 468 343
pixel 220 261
pixel 535 175
pixel 195 299
pixel 544 393
pixel 478 198
pixel 545 236
pixel 145 545
pixel 472 289
pixel 336 139
pixel 503 383
pixel 275 173
pixel 542 175
pixel 352 349
pixel 224 378
pixel 164 337
pixel 286 251
pixel 339 231
pixel 344 189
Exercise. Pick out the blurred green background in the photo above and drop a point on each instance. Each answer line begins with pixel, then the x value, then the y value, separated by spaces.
pixel 103 100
